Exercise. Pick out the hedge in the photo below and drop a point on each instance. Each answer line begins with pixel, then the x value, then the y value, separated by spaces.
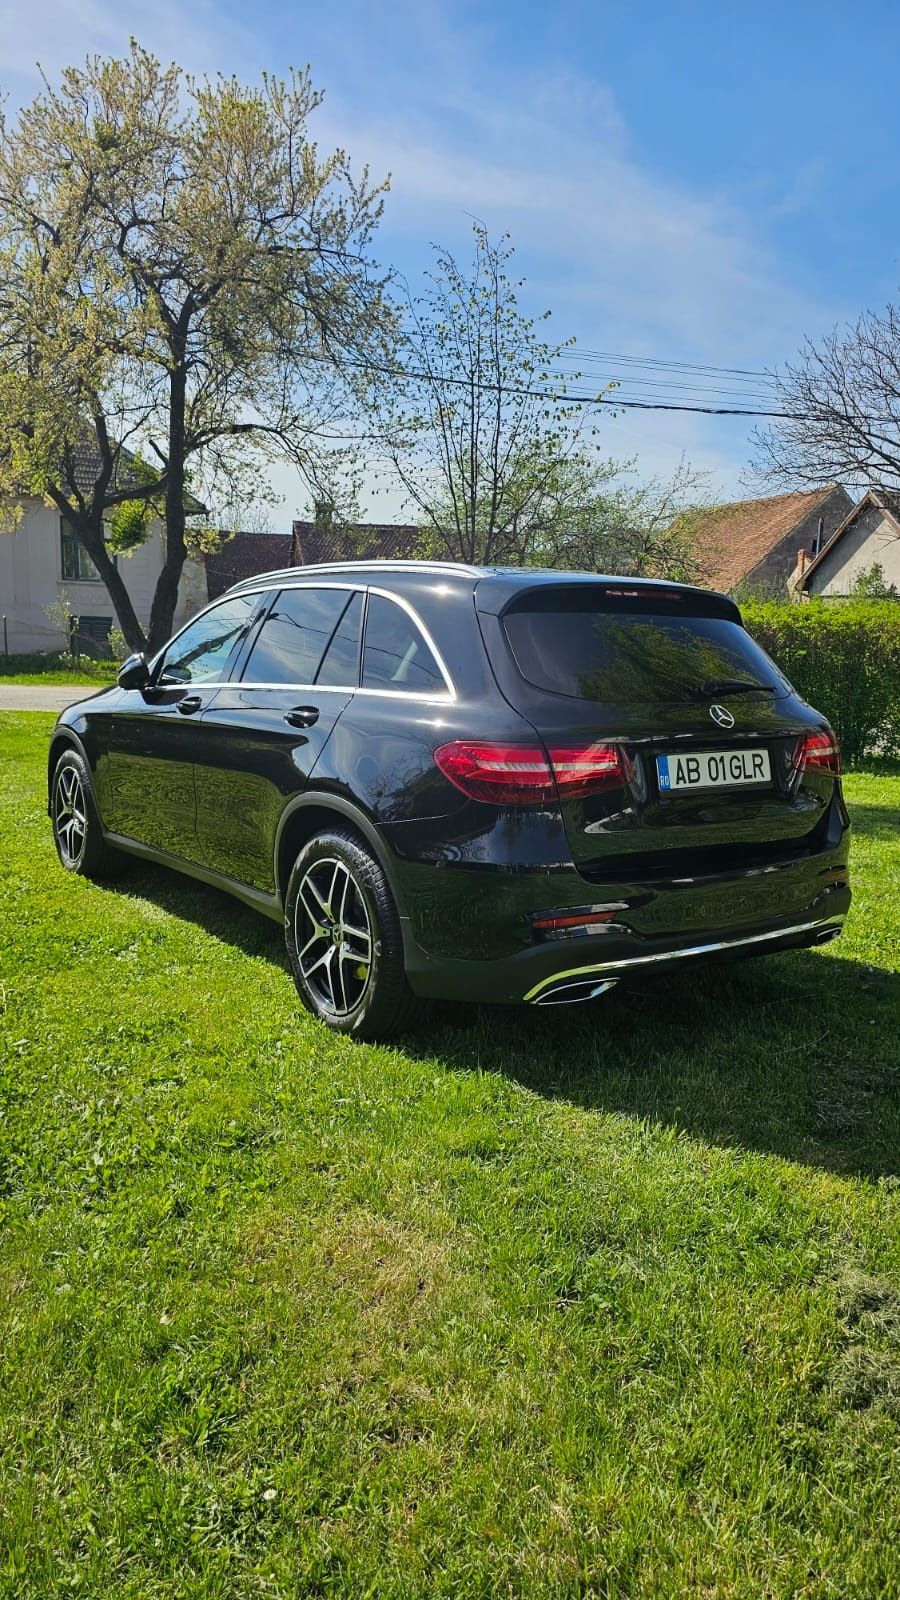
pixel 843 656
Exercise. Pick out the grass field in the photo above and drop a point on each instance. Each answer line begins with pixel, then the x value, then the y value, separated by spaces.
pixel 592 1303
pixel 51 672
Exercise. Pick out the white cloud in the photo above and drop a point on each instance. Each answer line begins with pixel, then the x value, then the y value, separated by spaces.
pixel 55 33
pixel 627 259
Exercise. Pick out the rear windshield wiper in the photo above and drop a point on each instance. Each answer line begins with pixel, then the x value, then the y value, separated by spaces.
pixel 733 686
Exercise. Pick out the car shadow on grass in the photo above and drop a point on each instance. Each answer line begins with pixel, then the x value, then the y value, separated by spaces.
pixel 216 912
pixel 796 1054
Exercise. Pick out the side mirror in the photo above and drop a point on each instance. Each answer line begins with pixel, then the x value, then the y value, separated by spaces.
pixel 134 673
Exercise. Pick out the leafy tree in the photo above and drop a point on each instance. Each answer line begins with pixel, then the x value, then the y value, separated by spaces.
pixel 595 519
pixel 185 294
pixel 871 584
pixel 476 427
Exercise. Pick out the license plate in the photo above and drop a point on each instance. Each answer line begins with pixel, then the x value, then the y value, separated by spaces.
pixel 713 769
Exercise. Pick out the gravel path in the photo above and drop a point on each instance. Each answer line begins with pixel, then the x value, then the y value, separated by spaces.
pixel 28 697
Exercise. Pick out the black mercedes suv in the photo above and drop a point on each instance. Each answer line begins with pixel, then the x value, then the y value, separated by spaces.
pixel 474 783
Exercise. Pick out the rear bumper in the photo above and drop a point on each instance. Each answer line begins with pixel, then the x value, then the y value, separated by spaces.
pixel 494 954
pixel 582 983
pixel 540 975
pixel 473 916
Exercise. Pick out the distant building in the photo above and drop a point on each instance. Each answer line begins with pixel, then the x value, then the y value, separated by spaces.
pixel 325 540
pixel 869 536
pixel 753 545
pixel 43 567
pixel 245 554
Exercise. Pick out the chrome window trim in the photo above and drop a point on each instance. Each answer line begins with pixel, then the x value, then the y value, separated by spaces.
pixel 435 696
pixel 398 600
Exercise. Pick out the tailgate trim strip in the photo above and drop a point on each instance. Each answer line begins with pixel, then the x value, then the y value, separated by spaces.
pixel 680 955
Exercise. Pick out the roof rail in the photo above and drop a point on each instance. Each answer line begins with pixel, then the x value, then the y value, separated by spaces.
pixel 376 564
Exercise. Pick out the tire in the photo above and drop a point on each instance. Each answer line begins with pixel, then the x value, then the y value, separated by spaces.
pixel 77 830
pixel 344 941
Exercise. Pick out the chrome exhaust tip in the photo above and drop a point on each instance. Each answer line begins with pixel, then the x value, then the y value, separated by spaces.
pixel 571 992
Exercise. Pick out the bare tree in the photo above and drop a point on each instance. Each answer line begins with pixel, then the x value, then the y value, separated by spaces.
pixel 841 405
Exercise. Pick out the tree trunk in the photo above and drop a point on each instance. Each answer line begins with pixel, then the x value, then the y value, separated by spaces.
pixel 126 616
pixel 165 597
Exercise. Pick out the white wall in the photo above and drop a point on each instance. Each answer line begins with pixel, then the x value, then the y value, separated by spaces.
pixel 873 538
pixel 31 579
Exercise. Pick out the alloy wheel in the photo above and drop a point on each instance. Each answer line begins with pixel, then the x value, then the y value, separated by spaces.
pixel 333 936
pixel 70 816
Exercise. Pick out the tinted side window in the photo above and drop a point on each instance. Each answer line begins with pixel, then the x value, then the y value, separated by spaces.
pixel 395 655
pixel 340 663
pixel 201 653
pixel 293 637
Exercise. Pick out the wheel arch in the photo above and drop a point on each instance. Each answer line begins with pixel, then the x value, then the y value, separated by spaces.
pixel 63 738
pixel 308 815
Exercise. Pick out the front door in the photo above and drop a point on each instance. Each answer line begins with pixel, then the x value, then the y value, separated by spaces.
pixel 155 733
pixel 263 735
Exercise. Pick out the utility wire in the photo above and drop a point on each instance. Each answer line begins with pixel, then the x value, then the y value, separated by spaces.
pixel 562 396
pixel 576 353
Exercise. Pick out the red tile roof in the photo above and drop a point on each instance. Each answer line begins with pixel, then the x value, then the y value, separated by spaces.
pixel 731 540
pixel 243 556
pixel 373 541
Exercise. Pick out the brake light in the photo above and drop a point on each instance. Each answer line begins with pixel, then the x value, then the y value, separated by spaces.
pixel 818 752
pixel 518 774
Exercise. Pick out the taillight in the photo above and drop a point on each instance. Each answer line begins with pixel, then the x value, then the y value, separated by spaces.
pixel 818 752
pixel 585 771
pixel 516 774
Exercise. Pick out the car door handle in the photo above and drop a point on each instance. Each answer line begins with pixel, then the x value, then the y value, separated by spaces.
pixel 190 704
pixel 302 716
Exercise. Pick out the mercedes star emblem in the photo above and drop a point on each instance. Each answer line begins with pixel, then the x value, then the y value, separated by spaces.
pixel 722 716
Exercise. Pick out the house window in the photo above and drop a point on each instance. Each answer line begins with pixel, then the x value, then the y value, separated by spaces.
pixel 76 565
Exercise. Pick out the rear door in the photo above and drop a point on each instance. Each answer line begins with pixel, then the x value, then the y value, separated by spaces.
pixel 706 725
pixel 264 731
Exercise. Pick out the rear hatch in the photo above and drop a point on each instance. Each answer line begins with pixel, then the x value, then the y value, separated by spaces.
pixel 705 731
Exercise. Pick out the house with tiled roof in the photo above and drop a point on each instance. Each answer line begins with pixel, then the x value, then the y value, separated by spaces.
pixel 45 571
pixel 868 537
pixel 753 545
pixel 245 554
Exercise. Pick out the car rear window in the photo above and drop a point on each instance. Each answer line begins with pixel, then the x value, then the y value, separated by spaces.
pixel 626 652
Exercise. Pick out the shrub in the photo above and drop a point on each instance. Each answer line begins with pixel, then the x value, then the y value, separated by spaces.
pixel 842 656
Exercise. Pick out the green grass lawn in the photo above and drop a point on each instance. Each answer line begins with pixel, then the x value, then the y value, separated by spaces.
pixel 57 680
pixel 601 1302
pixel 50 671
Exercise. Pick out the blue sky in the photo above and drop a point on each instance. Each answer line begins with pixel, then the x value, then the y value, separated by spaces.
pixel 701 181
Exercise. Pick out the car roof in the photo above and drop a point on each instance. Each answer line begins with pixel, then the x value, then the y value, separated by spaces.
pixel 495 584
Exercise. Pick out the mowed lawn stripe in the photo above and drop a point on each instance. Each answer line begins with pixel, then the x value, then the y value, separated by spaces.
pixel 596 1302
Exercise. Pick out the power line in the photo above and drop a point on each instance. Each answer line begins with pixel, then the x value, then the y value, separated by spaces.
pixel 562 396
pixel 576 352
